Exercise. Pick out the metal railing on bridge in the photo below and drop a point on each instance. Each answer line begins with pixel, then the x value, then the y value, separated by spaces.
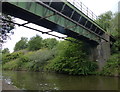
pixel 84 9
pixel 79 5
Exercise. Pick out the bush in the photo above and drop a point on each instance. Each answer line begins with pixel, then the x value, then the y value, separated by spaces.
pixel 34 60
pixel 12 65
pixel 8 57
pixel 112 66
pixel 39 59
pixel 72 59
pixel 16 60
pixel 49 43
pixel 72 66
pixel 24 59
pixel 17 64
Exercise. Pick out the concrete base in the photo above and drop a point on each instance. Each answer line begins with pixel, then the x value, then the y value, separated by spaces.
pixel 101 52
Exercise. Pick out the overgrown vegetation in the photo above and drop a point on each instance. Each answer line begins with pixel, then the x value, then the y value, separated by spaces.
pixel 8 57
pixel 34 61
pixel 112 67
pixel 72 59
pixel 62 57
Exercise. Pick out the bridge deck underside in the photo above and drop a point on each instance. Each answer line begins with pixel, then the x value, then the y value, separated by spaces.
pixel 42 16
pixel 76 16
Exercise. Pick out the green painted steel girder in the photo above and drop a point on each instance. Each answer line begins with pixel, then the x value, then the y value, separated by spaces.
pixel 39 10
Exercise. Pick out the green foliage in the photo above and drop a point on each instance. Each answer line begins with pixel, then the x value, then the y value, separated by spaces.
pixel 18 63
pixel 35 43
pixel 12 65
pixel 116 33
pixel 8 57
pixel 34 61
pixel 116 46
pixel 24 59
pixel 112 66
pixel 50 43
pixel 109 22
pixel 114 25
pixel 72 66
pixel 70 49
pixel 72 59
pixel 40 58
pixel 5 51
pixel 22 44
pixel 6 29
pixel 105 19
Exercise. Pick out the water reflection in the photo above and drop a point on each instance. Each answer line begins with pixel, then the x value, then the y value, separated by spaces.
pixel 52 81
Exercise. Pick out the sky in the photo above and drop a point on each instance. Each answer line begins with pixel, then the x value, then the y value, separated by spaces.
pixel 97 6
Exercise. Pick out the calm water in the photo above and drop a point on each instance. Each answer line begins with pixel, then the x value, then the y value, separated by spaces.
pixel 52 81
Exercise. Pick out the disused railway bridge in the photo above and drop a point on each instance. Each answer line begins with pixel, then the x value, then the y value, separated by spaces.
pixel 65 18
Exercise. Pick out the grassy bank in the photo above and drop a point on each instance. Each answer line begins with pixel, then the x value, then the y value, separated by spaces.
pixel 66 57
pixel 46 60
pixel 29 61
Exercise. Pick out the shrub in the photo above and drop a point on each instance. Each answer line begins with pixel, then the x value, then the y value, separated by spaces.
pixel 40 58
pixel 12 65
pixel 72 66
pixel 24 59
pixel 112 66
pixel 72 59
pixel 49 43
pixel 17 64
pixel 8 57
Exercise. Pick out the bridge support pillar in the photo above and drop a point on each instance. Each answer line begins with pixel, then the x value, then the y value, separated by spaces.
pixel 101 52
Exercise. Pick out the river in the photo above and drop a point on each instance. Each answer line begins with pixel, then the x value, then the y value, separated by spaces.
pixel 52 81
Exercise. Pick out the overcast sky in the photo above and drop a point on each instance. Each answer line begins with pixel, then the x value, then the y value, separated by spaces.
pixel 97 6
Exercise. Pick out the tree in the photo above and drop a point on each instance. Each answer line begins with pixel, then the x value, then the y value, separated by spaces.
pixel 6 29
pixel 5 51
pixel 35 43
pixel 104 20
pixel 114 25
pixel 50 43
pixel 22 44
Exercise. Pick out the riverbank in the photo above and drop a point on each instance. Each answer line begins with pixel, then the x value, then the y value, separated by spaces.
pixel 65 62
pixel 6 86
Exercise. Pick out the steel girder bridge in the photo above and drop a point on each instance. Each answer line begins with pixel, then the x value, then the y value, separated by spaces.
pixel 63 17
